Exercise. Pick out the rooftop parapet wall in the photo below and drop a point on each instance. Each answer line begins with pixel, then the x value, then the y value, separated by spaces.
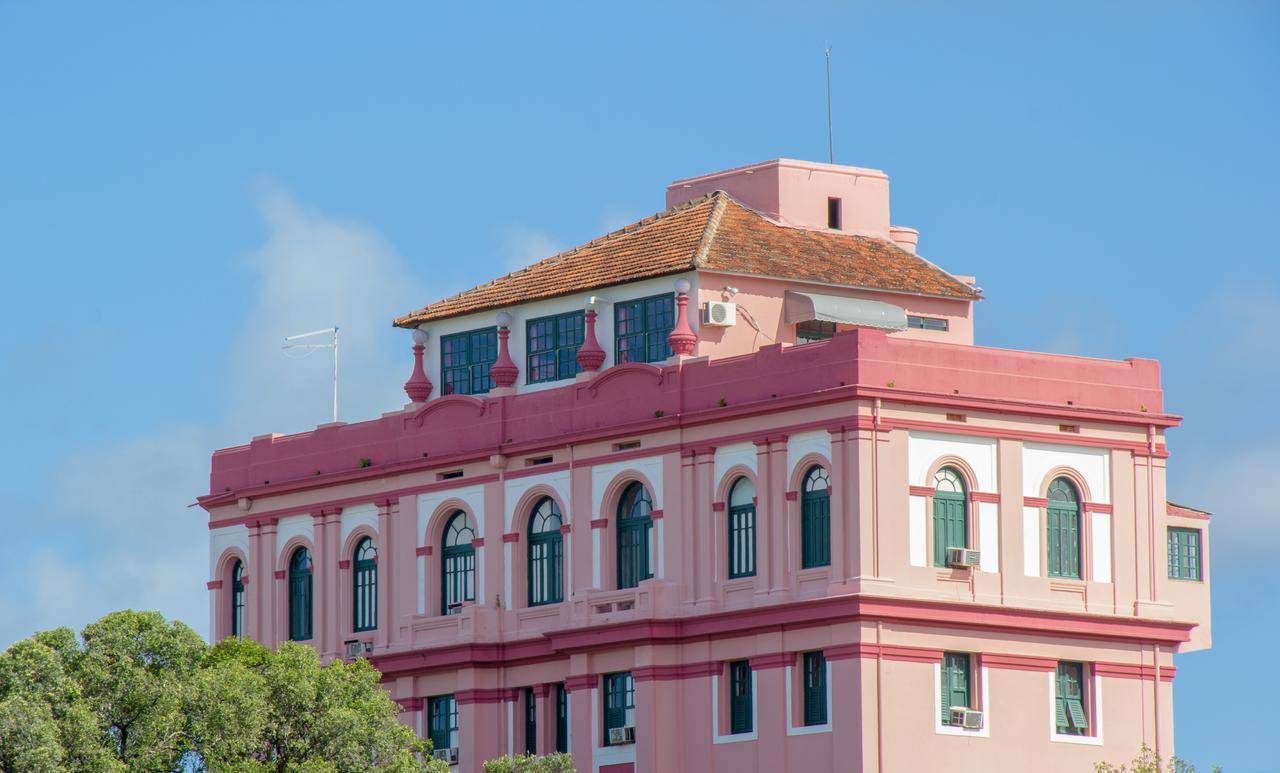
pixel 634 398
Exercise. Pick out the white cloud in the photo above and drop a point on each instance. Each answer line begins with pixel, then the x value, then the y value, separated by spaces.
pixel 521 245
pixel 115 530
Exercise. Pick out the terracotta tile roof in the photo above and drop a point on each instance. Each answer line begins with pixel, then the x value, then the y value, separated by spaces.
pixel 716 233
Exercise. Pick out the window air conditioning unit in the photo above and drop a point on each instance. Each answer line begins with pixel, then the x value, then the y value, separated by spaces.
pixel 449 755
pixel 966 718
pixel 719 313
pixel 357 648
pixel 621 735
pixel 963 557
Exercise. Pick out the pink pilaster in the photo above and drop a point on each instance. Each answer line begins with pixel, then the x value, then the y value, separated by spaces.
pixel 590 355
pixel 386 569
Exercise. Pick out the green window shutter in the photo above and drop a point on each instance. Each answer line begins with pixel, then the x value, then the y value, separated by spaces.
pixel 740 697
pixel 815 519
pixel 950 529
pixel 815 688
pixel 1069 701
pixel 954 683
pixel 1075 710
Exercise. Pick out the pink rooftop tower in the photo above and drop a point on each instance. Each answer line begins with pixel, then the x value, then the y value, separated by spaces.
pixel 732 488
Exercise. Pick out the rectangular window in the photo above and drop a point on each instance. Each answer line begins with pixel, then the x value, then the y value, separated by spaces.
pixel 530 721
pixel 1184 554
pixel 740 697
pixel 641 328
pixel 814 665
pixel 811 330
pixel 442 722
pixel 927 323
pixel 562 719
pixel 833 213
pixel 956 691
pixel 553 347
pixel 465 359
pixel 1069 700
pixel 619 702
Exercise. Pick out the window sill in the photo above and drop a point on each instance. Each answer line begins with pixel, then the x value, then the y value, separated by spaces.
pixel 1083 740
pixel 736 737
pixel 941 729
pixel 809 729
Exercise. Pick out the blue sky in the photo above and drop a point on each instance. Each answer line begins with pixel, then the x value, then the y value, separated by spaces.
pixel 183 184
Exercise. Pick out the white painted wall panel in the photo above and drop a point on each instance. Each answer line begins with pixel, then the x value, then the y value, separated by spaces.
pixel 1100 549
pixel 801 443
pixel 925 448
pixel 989 535
pixel 917 531
pixel 473 496
pixel 558 481
pixel 359 515
pixel 294 526
pixel 1031 541
pixel 1093 464
pixel 225 537
pixel 602 474
pixel 732 454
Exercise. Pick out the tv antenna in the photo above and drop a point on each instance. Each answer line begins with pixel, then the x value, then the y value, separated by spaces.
pixel 308 349
pixel 831 153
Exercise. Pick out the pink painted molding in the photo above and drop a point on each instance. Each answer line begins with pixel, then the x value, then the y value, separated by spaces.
pixel 677 671
pixel 482 695
pixel 1097 507
pixel 772 660
pixel 792 496
pixel 600 523
pixel 279 574
pixel 511 536
pixel 717 507
pixel 344 563
pixel 1018 662
pixel 410 704
pixel 590 355
pixel 979 496
pixel 213 584
pixel 478 542
pixel 921 491
pixel 422 550
pixel 1035 502
pixel 567 528
pixel 656 514
pixel 1143 671
pixel 1186 512
pixel 581 682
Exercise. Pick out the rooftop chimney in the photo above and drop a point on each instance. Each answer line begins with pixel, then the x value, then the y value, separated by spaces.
pixel 802 194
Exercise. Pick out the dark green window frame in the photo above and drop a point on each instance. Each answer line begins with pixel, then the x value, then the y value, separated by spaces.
pixel 813 667
pixel 465 359
pixel 530 721
pixel 741 522
pixel 927 323
pixel 442 721
pixel 545 554
pixel 364 586
pixel 950 514
pixel 740 689
pixel 300 596
pixel 619 698
pixel 810 330
pixel 815 519
pixel 641 327
pixel 1185 557
pixel 552 344
pixel 457 564
pixel 562 718
pixel 1071 713
pixel 633 526
pixel 956 682
pixel 1062 526
pixel 237 599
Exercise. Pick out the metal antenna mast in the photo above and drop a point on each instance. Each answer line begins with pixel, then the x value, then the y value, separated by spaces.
pixel 831 153
pixel 309 348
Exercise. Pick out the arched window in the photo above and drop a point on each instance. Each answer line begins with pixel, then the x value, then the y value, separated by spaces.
pixel 633 535
pixel 1063 529
pixel 364 587
pixel 546 554
pixel 457 564
pixel 815 519
pixel 742 529
pixel 950 514
pixel 300 595
pixel 237 599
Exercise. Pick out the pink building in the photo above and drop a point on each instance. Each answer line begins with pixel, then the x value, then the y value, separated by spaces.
pixel 732 489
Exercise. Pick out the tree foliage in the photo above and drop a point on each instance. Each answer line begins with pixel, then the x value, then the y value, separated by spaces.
pixel 134 692
pixel 528 763
pixel 1148 761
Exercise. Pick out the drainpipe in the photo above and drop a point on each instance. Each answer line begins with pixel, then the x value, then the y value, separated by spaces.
pixel 875 488
pixel 1155 649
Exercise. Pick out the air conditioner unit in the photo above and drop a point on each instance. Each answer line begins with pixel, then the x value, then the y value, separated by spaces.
pixel 719 313
pixel 966 718
pixel 621 735
pixel 963 557
pixel 449 755
pixel 357 648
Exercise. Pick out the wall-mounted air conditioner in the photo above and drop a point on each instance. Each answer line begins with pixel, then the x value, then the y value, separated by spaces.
pixel 622 735
pixel 357 648
pixel 719 313
pixel 449 755
pixel 963 557
pixel 966 718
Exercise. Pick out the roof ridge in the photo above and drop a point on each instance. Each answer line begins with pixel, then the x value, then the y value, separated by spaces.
pixel 623 231
pixel 713 226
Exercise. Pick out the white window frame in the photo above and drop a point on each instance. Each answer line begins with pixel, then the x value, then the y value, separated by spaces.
pixel 716 737
pixel 985 700
pixel 1095 712
pixel 806 729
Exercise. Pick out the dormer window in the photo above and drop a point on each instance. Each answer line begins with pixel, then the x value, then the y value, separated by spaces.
pixel 833 213
pixel 553 347
pixel 465 359
pixel 641 328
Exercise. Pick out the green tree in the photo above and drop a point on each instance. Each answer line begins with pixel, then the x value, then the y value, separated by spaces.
pixel 135 692
pixel 529 763
pixel 1148 761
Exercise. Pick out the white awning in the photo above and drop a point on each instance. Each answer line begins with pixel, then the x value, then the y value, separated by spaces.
pixel 800 307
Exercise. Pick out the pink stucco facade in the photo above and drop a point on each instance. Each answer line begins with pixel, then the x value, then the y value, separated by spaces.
pixel 881 413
